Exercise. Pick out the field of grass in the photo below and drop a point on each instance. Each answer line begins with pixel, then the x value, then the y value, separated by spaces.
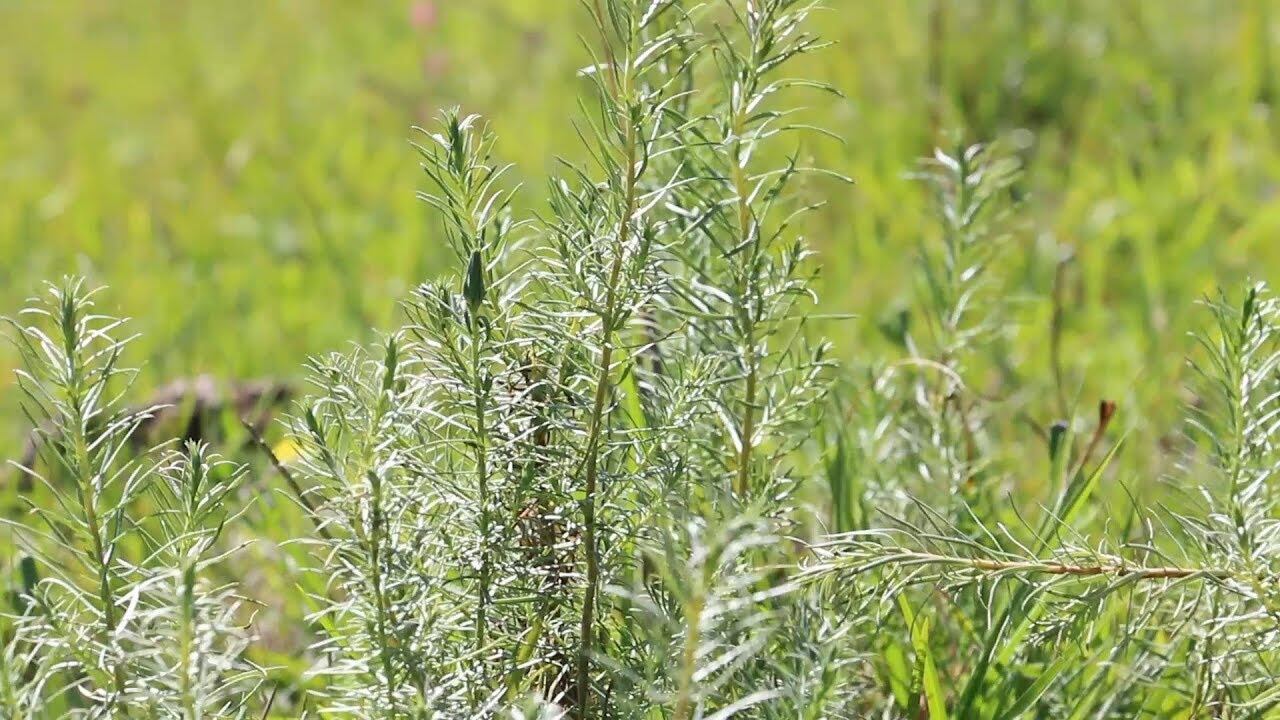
pixel 241 177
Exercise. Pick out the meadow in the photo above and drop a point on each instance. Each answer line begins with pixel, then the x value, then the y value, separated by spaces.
pixel 1048 360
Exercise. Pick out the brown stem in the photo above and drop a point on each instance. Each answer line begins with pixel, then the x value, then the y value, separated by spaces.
pixel 1106 411
pixel 256 437
pixel 1144 573
pixel 1114 570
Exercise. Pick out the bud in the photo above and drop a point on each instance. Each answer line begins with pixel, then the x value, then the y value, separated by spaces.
pixel 1106 411
pixel 389 363
pixel 1057 433
pixel 473 286
pixel 30 576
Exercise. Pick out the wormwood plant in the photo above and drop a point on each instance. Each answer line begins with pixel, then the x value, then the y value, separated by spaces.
pixel 1168 610
pixel 117 614
pixel 564 481
pixel 1174 614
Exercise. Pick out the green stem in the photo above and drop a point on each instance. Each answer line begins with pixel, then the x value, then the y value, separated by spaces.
pixel 379 595
pixel 596 423
pixel 482 472
pixel 747 428
pixel 608 318
pixel 586 627
pixel 689 661
pixel 185 641
pixel 85 486
pixel 103 566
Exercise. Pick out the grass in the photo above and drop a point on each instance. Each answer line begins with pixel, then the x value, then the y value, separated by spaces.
pixel 264 157
pixel 245 185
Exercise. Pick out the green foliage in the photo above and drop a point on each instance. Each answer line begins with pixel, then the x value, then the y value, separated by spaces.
pixel 608 465
pixel 117 613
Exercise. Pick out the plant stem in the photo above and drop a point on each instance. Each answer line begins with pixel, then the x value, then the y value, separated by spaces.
pixel 586 629
pixel 750 359
pixel 86 491
pixel 596 423
pixel 185 640
pixel 688 661
pixel 375 559
pixel 1119 570
pixel 746 231
pixel 608 318
pixel 482 473
pixel 99 552
pixel 374 536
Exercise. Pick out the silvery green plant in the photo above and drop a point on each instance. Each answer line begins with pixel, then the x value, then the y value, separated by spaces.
pixel 120 612
pixel 545 455
pixel 921 425
pixel 1061 606
pixel 1232 530
pixel 741 279
pixel 698 623
pixel 578 481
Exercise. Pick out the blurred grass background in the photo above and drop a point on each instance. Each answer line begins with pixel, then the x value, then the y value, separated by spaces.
pixel 240 174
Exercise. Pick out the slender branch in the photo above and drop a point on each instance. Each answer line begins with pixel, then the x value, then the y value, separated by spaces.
pixel 482 476
pixel 87 481
pixel 747 232
pixel 608 319
pixel 1050 568
pixel 1032 567
pixel 375 539
pixel 751 360
pixel 689 661
pixel 603 385
pixel 255 436
pixel 186 641
pixel 1106 411
pixel 103 564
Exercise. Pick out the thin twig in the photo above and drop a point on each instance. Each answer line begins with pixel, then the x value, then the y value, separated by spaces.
pixel 1106 411
pixel 256 436
pixel 1116 570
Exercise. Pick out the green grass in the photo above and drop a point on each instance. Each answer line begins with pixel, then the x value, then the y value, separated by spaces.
pixel 242 178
